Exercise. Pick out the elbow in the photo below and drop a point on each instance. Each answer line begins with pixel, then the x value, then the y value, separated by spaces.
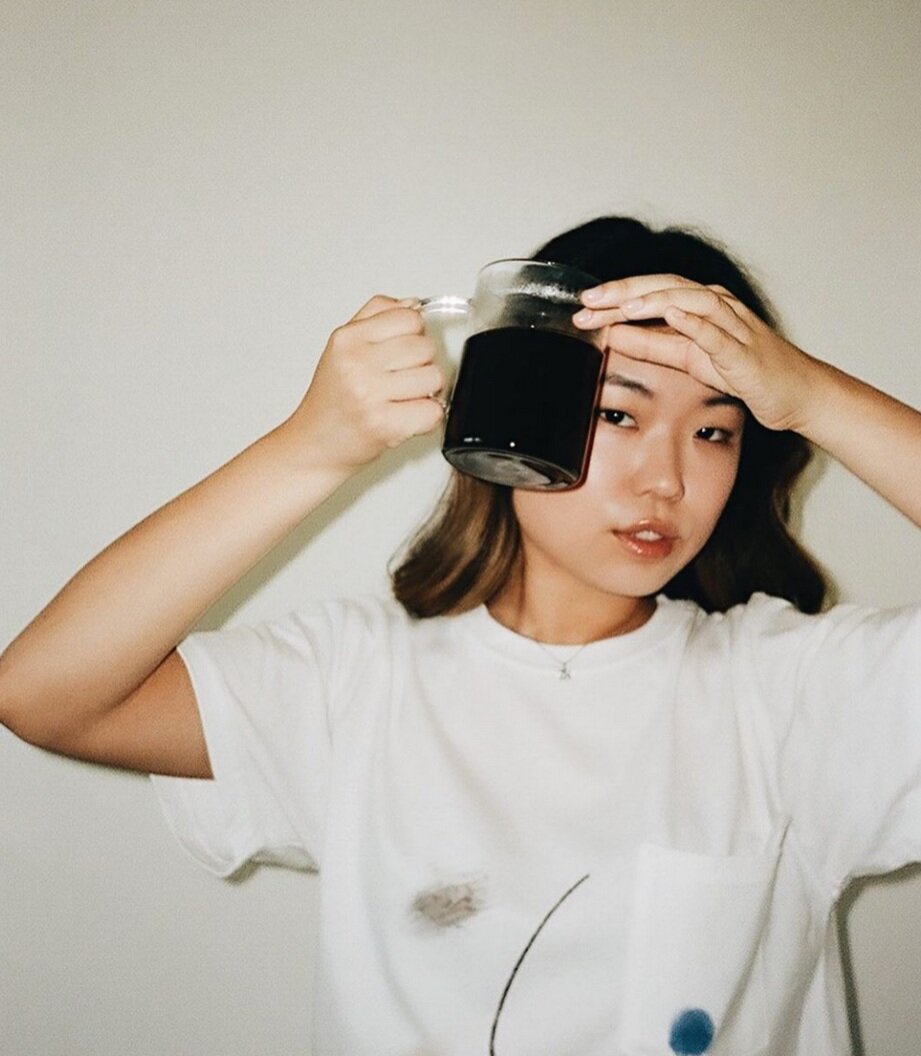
pixel 15 718
pixel 22 717
pixel 7 708
pixel 27 727
pixel 36 712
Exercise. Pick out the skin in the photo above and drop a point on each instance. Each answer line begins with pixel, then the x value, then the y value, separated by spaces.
pixel 664 456
pixel 96 674
pixel 574 585
pixel 713 337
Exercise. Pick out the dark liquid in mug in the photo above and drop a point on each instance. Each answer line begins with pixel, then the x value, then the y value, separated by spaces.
pixel 523 407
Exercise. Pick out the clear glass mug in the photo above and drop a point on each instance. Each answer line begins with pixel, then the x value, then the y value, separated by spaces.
pixel 523 406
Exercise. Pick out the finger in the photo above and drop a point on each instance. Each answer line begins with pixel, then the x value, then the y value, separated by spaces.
pixel 401 353
pixel 668 349
pixel 592 319
pixel 650 346
pixel 697 300
pixel 414 384
pixel 414 417
pixel 731 299
pixel 385 325
pixel 735 303
pixel 750 318
pixel 603 304
pixel 705 334
pixel 381 303
pixel 613 294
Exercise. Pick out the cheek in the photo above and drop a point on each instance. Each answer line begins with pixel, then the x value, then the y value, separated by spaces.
pixel 548 515
pixel 716 486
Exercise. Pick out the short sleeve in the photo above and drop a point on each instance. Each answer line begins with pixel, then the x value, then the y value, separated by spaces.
pixel 263 693
pixel 850 766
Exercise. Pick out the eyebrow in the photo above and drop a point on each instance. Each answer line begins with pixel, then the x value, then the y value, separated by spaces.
pixel 718 399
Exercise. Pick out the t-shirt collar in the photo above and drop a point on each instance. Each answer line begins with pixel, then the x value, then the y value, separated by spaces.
pixel 668 616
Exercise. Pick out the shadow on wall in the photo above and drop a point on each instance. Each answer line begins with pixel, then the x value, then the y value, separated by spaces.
pixel 845 904
pixel 316 523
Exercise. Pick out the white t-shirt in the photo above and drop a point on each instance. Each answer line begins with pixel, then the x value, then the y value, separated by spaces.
pixel 656 843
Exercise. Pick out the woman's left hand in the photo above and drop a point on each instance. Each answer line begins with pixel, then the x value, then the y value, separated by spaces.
pixel 711 335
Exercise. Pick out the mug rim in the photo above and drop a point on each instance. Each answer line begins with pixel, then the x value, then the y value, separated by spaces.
pixel 558 264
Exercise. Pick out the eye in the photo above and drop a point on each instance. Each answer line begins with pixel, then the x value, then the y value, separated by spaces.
pixel 714 435
pixel 614 417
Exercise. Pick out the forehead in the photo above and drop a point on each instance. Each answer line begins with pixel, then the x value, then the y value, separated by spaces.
pixel 659 381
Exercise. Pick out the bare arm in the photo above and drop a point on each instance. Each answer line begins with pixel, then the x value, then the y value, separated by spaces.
pixel 72 681
pixel 95 674
pixel 877 437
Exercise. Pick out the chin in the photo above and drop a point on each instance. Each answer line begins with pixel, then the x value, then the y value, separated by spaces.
pixel 636 586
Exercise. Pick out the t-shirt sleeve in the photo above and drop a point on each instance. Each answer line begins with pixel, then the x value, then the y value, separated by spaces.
pixel 264 696
pixel 850 764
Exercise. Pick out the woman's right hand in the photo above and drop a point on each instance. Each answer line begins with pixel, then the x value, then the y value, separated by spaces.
pixel 96 675
pixel 373 389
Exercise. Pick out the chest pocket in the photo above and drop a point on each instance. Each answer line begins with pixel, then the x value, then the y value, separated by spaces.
pixel 693 980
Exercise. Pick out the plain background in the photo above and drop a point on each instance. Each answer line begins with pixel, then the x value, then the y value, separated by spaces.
pixel 195 194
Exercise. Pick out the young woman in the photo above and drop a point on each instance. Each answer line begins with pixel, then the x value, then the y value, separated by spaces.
pixel 595 780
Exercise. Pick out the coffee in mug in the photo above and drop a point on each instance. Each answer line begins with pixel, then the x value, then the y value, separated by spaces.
pixel 523 407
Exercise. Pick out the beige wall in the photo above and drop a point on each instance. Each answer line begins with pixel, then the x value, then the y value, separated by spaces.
pixel 194 194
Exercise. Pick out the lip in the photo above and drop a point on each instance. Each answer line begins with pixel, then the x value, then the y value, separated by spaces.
pixel 652 540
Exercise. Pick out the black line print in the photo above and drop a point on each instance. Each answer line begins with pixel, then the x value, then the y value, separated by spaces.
pixel 511 978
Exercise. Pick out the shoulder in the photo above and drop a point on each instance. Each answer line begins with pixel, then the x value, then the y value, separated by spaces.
pixel 363 612
pixel 346 628
pixel 768 618
pixel 357 615
pixel 779 642
pixel 759 621
pixel 320 631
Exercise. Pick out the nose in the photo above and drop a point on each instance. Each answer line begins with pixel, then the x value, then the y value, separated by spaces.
pixel 658 471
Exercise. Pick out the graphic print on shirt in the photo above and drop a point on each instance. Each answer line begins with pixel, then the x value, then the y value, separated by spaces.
pixel 691 1033
pixel 520 961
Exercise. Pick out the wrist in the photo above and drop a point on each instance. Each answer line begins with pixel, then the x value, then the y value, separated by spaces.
pixel 798 404
pixel 304 457
pixel 825 391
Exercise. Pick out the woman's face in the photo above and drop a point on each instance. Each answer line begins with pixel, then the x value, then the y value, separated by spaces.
pixel 663 462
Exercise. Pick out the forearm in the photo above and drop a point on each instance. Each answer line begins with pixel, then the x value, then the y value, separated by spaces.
pixel 875 436
pixel 117 619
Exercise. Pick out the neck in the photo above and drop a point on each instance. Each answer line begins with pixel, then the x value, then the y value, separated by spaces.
pixel 564 615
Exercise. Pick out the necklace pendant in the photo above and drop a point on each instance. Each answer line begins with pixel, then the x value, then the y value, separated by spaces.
pixel 564 673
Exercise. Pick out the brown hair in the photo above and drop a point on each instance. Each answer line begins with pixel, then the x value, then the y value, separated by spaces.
pixel 465 551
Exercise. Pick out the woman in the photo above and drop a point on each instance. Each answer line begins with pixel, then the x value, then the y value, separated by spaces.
pixel 597 783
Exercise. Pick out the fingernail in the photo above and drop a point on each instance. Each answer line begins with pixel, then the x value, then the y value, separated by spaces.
pixel 592 296
pixel 410 302
pixel 582 317
pixel 631 306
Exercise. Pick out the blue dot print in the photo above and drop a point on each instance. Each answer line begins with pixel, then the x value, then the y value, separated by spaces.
pixel 692 1032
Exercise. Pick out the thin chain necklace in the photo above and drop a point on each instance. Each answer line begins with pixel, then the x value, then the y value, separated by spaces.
pixel 565 674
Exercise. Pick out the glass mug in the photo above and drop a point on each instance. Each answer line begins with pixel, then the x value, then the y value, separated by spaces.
pixel 523 406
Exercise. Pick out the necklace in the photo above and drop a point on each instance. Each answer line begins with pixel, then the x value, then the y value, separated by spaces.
pixel 565 674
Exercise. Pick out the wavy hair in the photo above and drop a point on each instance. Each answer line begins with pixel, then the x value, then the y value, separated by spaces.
pixel 463 554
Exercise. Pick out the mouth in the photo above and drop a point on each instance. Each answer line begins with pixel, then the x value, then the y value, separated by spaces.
pixel 650 540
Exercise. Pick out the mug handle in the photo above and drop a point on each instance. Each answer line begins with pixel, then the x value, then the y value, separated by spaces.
pixel 446 322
